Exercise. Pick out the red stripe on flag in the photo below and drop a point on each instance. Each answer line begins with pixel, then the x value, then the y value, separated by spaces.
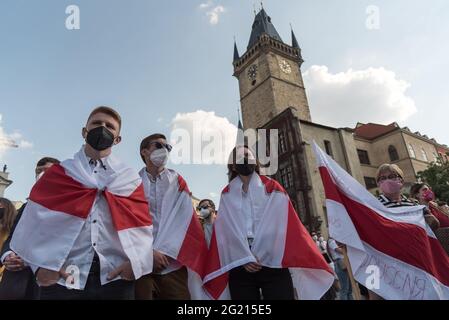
pixel 226 189
pixel 271 185
pixel 194 247
pixel 216 286
pixel 183 185
pixel 131 211
pixel 57 191
pixel 300 249
pixel 403 241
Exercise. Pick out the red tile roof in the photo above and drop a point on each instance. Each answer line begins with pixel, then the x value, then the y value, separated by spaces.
pixel 371 131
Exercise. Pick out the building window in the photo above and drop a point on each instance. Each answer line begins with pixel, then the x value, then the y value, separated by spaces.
pixel 286 177
pixel 282 142
pixel 370 183
pixel 328 146
pixel 393 153
pixel 411 151
pixel 363 156
pixel 435 157
pixel 424 155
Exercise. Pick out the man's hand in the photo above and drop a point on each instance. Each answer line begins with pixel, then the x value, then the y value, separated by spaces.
pixel 47 278
pixel 14 263
pixel 252 267
pixel 125 271
pixel 160 261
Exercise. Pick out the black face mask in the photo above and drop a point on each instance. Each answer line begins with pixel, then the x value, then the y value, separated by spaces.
pixel 2 213
pixel 245 169
pixel 100 138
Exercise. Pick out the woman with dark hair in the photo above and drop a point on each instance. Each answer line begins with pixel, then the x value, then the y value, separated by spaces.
pixel 7 215
pixel 259 248
pixel 423 193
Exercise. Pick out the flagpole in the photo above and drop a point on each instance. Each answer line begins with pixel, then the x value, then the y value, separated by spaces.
pixel 355 287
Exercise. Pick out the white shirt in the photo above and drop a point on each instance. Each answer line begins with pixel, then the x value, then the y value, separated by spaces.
pixel 332 248
pixel 158 188
pixel 98 235
pixel 247 210
pixel 208 228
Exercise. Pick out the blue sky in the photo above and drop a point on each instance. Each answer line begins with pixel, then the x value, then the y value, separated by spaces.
pixel 153 59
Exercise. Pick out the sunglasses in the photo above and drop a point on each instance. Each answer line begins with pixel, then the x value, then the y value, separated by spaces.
pixel 160 145
pixel 390 177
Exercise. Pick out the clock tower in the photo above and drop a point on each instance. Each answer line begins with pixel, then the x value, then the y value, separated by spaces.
pixel 269 75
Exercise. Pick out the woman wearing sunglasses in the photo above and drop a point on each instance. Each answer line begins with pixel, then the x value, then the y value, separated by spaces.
pixel 390 180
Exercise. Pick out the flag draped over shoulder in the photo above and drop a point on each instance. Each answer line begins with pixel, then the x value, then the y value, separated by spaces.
pixel 179 234
pixel 60 203
pixel 392 252
pixel 280 240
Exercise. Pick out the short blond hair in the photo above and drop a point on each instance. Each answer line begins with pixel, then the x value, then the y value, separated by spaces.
pixel 391 168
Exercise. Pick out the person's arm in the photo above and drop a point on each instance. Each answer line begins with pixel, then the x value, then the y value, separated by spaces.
pixel 431 220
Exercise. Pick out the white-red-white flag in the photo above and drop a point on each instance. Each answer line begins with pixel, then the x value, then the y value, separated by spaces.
pixel 179 235
pixel 60 203
pixel 392 251
pixel 280 240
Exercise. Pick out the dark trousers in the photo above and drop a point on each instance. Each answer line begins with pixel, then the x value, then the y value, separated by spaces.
pixel 273 284
pixel 116 290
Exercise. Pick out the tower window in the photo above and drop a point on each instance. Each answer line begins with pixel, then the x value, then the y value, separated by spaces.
pixel 328 147
pixel 286 177
pixel 363 157
pixel 253 83
pixel 393 153
pixel 282 142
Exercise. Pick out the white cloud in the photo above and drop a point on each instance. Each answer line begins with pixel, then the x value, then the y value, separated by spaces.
pixel 213 12
pixel 205 5
pixel 210 137
pixel 8 141
pixel 345 98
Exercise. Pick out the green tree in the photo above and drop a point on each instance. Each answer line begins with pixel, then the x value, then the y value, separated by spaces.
pixel 437 177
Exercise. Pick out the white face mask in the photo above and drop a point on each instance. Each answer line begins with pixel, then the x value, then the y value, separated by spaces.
pixel 204 213
pixel 315 238
pixel 159 157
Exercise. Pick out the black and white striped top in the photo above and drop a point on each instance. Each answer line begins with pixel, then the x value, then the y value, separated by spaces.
pixel 405 202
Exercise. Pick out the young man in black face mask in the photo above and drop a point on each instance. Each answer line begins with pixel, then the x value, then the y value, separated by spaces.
pixel 89 221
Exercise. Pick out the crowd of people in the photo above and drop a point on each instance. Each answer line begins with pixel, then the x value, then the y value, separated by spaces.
pixel 93 228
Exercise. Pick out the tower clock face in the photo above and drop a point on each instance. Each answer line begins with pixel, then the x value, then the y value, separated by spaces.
pixel 252 72
pixel 285 67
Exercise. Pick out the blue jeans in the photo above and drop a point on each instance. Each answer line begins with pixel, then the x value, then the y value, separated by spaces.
pixel 346 289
